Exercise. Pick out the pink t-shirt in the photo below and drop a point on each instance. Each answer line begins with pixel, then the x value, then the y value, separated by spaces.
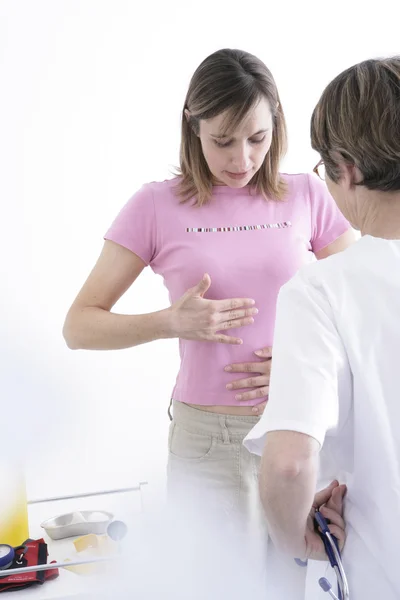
pixel 249 247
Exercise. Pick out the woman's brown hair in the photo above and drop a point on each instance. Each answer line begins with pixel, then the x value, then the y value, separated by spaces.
pixel 358 118
pixel 230 81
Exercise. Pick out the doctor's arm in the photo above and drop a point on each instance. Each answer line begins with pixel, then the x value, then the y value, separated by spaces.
pixel 287 488
pixel 303 406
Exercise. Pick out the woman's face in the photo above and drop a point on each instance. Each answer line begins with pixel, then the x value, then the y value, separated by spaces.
pixel 234 160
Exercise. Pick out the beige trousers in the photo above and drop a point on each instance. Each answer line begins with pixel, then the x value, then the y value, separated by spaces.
pixel 212 476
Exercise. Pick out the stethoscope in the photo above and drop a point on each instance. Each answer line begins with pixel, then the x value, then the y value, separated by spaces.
pixel 335 559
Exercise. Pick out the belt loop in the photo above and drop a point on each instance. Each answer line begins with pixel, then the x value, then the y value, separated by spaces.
pixel 224 429
pixel 169 410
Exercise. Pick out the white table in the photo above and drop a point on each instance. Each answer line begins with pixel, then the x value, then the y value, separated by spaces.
pixel 126 505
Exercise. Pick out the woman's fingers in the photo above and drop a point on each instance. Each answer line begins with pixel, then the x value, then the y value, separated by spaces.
pixel 248 382
pixel 263 368
pixel 235 324
pixel 260 392
pixel 220 338
pixel 264 352
pixel 259 408
pixel 231 315
pixel 233 304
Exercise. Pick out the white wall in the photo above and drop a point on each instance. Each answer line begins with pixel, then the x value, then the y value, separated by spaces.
pixel 90 105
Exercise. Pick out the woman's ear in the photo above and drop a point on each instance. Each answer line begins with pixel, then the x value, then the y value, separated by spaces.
pixel 187 114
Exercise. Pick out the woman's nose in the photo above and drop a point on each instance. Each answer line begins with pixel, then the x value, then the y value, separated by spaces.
pixel 241 158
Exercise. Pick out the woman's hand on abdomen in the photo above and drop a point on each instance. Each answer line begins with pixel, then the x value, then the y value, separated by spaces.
pixel 257 377
pixel 193 317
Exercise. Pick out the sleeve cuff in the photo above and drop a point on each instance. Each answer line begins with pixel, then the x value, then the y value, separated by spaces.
pixel 255 439
pixel 321 244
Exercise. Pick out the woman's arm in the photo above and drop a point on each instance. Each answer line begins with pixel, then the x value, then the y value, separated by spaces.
pixel 90 324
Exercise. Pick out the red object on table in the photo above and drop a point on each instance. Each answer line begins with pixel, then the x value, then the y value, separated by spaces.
pixel 30 553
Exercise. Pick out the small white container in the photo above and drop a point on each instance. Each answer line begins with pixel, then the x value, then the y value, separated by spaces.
pixel 77 523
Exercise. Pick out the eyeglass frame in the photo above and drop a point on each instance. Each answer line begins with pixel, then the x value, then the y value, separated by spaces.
pixel 315 169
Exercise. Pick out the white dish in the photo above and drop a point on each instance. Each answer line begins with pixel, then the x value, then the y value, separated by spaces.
pixel 81 522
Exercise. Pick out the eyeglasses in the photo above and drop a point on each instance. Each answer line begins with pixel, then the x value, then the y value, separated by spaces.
pixel 319 170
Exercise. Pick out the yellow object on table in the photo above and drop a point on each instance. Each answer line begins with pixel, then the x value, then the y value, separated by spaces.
pixel 100 544
pixel 14 527
pixel 92 546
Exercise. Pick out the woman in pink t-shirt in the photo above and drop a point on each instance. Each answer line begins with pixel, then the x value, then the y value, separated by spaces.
pixel 225 235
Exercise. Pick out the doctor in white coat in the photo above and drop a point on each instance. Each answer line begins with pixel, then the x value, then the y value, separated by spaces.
pixel 335 384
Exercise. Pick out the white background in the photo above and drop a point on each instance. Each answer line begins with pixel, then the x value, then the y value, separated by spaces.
pixel 91 94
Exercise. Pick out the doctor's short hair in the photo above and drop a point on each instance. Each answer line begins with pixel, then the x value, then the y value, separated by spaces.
pixel 231 81
pixel 358 117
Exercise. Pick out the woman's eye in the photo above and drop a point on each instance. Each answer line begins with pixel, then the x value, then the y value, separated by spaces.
pixel 258 141
pixel 229 142
pixel 222 144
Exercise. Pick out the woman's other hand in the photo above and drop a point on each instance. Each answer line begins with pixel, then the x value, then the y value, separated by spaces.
pixel 257 377
pixel 193 317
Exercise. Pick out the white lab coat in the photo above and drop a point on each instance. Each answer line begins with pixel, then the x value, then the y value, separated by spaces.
pixel 336 377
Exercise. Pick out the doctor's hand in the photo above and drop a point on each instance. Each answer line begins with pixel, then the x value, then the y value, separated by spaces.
pixel 330 503
pixel 193 317
pixel 258 374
